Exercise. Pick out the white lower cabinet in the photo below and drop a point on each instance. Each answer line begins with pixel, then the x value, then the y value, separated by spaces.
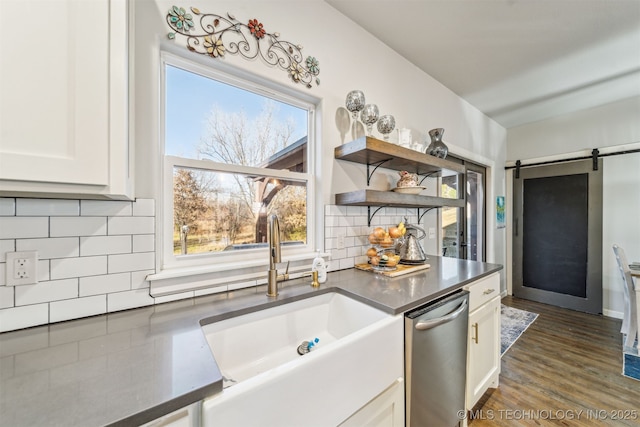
pixel 483 347
pixel 189 416
pixel 385 410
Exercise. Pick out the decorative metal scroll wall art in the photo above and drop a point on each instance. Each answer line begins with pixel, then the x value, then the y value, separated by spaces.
pixel 215 35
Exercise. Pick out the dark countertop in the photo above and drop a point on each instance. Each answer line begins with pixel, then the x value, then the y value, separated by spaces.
pixel 131 367
pixel 402 293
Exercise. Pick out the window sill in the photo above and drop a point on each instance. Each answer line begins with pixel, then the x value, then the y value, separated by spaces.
pixel 222 277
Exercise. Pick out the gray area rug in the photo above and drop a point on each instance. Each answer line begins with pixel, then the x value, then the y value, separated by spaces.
pixel 513 323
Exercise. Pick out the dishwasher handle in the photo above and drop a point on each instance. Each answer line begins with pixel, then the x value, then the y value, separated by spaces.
pixel 429 324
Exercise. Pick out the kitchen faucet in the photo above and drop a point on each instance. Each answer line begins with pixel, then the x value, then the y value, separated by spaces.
pixel 273 237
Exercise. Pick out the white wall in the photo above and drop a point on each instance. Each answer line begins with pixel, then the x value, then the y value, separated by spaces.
pixel 621 220
pixel 605 126
pixel 609 128
pixel 350 58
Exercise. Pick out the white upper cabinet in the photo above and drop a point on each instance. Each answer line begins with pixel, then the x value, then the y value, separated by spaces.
pixel 64 98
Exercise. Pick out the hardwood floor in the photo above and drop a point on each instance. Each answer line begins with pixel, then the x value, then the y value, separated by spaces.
pixel 564 370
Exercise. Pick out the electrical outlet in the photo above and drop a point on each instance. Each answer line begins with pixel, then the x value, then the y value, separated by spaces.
pixel 432 233
pixel 22 268
pixel 340 241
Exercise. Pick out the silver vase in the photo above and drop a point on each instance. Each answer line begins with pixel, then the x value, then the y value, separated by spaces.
pixel 437 148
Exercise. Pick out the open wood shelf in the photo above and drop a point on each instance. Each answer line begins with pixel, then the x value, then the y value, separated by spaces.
pixel 391 198
pixel 375 153
pixel 371 151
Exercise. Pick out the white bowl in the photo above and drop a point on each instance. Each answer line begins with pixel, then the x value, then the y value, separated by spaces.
pixel 409 190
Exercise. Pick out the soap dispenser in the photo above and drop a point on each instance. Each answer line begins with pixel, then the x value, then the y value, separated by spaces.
pixel 321 267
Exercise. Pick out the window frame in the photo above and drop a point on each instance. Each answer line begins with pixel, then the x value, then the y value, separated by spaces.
pixel 223 261
pixel 462 219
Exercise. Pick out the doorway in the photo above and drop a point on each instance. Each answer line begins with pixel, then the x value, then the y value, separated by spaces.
pixel 463 229
pixel 557 240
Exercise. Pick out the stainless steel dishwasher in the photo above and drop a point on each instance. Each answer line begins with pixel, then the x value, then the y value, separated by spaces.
pixel 436 361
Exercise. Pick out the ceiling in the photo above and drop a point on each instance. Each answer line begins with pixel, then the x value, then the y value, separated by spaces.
pixel 517 61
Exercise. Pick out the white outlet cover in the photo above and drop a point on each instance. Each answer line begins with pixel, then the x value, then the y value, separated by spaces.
pixel 30 268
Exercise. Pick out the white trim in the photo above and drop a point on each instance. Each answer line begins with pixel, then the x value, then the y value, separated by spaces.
pixel 490 197
pixel 471 156
pixel 612 313
pixel 207 165
pixel 244 275
pixel 204 268
pixel 214 268
pixel 227 260
pixel 216 70
pixel 508 212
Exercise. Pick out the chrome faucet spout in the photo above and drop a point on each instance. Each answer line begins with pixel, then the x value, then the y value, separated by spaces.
pixel 273 237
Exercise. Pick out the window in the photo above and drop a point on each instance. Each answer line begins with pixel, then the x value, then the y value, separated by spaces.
pixel 463 229
pixel 450 218
pixel 235 153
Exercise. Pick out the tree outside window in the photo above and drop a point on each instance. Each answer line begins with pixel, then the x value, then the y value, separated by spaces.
pixel 220 210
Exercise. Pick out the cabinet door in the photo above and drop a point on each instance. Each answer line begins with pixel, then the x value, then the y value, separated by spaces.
pixel 185 417
pixel 483 355
pixel 386 410
pixel 63 82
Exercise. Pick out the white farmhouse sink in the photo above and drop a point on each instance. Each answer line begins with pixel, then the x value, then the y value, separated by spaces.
pixel 248 345
pixel 358 355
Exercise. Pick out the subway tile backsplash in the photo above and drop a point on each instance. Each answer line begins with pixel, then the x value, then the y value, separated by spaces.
pixel 13 227
pixel 40 207
pixel 347 231
pixel 94 255
pixel 93 258
pixel 77 226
